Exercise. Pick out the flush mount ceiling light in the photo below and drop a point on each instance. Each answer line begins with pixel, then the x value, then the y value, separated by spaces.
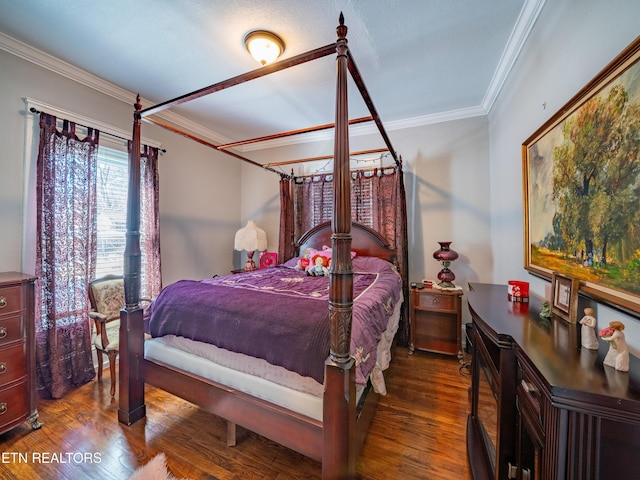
pixel 264 46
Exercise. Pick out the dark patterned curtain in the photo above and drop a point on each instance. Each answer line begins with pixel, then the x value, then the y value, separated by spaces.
pixel 151 279
pixel 65 256
pixel 378 200
pixel 285 240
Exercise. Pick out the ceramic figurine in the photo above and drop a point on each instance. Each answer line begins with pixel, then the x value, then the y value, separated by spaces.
pixel 545 311
pixel 588 329
pixel 618 354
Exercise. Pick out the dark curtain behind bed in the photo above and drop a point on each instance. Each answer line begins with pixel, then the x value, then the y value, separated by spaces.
pixel 285 240
pixel 378 201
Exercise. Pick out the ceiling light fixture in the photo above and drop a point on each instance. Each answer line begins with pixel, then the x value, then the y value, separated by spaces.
pixel 264 46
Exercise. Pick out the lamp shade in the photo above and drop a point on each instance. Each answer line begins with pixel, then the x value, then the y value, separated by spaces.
pixel 250 238
pixel 264 46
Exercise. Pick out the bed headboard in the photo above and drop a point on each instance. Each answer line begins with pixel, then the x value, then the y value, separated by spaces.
pixel 364 241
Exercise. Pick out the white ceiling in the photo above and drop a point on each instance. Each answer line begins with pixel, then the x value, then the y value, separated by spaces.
pixel 421 60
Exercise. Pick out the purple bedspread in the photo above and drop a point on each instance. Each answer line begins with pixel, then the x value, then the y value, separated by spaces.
pixel 280 314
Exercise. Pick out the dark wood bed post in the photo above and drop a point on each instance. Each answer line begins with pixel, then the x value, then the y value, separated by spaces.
pixel 338 459
pixel 131 392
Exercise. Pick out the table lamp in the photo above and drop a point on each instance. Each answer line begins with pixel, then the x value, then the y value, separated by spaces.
pixel 250 238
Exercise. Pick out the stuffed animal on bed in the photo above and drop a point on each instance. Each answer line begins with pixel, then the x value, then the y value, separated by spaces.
pixel 319 266
pixel 304 261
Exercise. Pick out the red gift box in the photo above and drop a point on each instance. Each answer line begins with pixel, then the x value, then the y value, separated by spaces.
pixel 518 291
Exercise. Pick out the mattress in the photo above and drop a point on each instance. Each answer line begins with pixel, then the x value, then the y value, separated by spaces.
pixel 259 378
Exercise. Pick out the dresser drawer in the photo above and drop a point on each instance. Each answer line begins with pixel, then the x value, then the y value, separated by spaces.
pixel 13 402
pixel 11 300
pixel 12 364
pixel 11 329
pixel 529 392
pixel 435 301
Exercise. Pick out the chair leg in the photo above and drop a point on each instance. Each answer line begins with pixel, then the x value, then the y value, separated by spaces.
pixel 99 354
pixel 112 369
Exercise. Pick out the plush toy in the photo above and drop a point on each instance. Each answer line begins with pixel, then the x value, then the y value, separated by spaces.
pixel 319 266
pixel 304 261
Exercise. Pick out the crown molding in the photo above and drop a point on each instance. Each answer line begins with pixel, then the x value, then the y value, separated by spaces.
pixel 521 30
pixel 64 69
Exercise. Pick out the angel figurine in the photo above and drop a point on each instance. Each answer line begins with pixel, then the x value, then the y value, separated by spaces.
pixel 618 354
pixel 588 330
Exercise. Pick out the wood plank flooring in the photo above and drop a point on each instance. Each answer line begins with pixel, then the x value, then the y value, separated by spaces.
pixel 418 432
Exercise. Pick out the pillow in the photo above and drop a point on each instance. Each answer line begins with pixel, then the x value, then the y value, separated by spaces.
pixel 326 252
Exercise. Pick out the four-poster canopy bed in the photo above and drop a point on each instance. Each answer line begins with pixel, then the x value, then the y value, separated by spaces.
pixel 334 432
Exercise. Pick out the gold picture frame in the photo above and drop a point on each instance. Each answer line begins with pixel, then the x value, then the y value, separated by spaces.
pixel 564 297
pixel 581 183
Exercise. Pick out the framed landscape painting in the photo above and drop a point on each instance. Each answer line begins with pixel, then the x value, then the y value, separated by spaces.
pixel 582 187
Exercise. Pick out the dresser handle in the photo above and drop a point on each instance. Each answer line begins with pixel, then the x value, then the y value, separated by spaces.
pixel 434 301
pixel 528 387
pixel 3 367
pixel 3 408
pixel 3 332
pixel 3 302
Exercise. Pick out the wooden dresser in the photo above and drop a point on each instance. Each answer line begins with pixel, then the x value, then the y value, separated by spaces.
pixel 17 351
pixel 542 406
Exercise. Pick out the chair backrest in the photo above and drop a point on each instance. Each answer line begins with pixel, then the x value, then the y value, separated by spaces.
pixel 106 295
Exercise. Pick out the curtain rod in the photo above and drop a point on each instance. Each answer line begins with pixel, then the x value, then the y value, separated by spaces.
pixel 38 112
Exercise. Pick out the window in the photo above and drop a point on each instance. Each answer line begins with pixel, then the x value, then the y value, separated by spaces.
pixel 111 191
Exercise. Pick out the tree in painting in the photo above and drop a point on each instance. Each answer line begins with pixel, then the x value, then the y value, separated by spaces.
pixel 596 188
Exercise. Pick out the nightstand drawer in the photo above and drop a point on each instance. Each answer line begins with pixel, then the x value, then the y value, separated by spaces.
pixel 435 301
pixel 10 300
pixel 12 364
pixel 11 329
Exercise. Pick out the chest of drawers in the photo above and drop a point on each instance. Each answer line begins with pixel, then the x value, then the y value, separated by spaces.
pixel 17 351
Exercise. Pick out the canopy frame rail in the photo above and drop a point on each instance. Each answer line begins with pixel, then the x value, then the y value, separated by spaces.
pixel 261 72
pixel 291 133
pixel 359 81
pixel 245 77
pixel 323 157
pixel 207 143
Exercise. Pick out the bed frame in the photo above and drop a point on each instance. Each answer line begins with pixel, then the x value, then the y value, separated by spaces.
pixel 336 441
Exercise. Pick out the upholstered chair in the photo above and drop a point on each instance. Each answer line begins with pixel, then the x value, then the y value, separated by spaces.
pixel 106 296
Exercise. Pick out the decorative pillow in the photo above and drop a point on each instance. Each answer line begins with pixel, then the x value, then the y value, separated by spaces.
pixel 327 252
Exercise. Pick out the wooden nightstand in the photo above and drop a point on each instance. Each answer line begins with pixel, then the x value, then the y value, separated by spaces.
pixel 436 320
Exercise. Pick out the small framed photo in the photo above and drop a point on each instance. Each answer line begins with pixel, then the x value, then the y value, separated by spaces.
pixel 564 297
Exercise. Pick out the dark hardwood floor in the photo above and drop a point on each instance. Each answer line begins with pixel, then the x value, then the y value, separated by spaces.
pixel 418 432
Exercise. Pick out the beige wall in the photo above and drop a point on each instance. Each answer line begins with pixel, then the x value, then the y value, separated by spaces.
pixel 199 188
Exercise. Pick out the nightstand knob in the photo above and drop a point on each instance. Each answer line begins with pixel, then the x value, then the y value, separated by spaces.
pixel 3 367
pixel 3 408
pixel 3 302
pixel 3 332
